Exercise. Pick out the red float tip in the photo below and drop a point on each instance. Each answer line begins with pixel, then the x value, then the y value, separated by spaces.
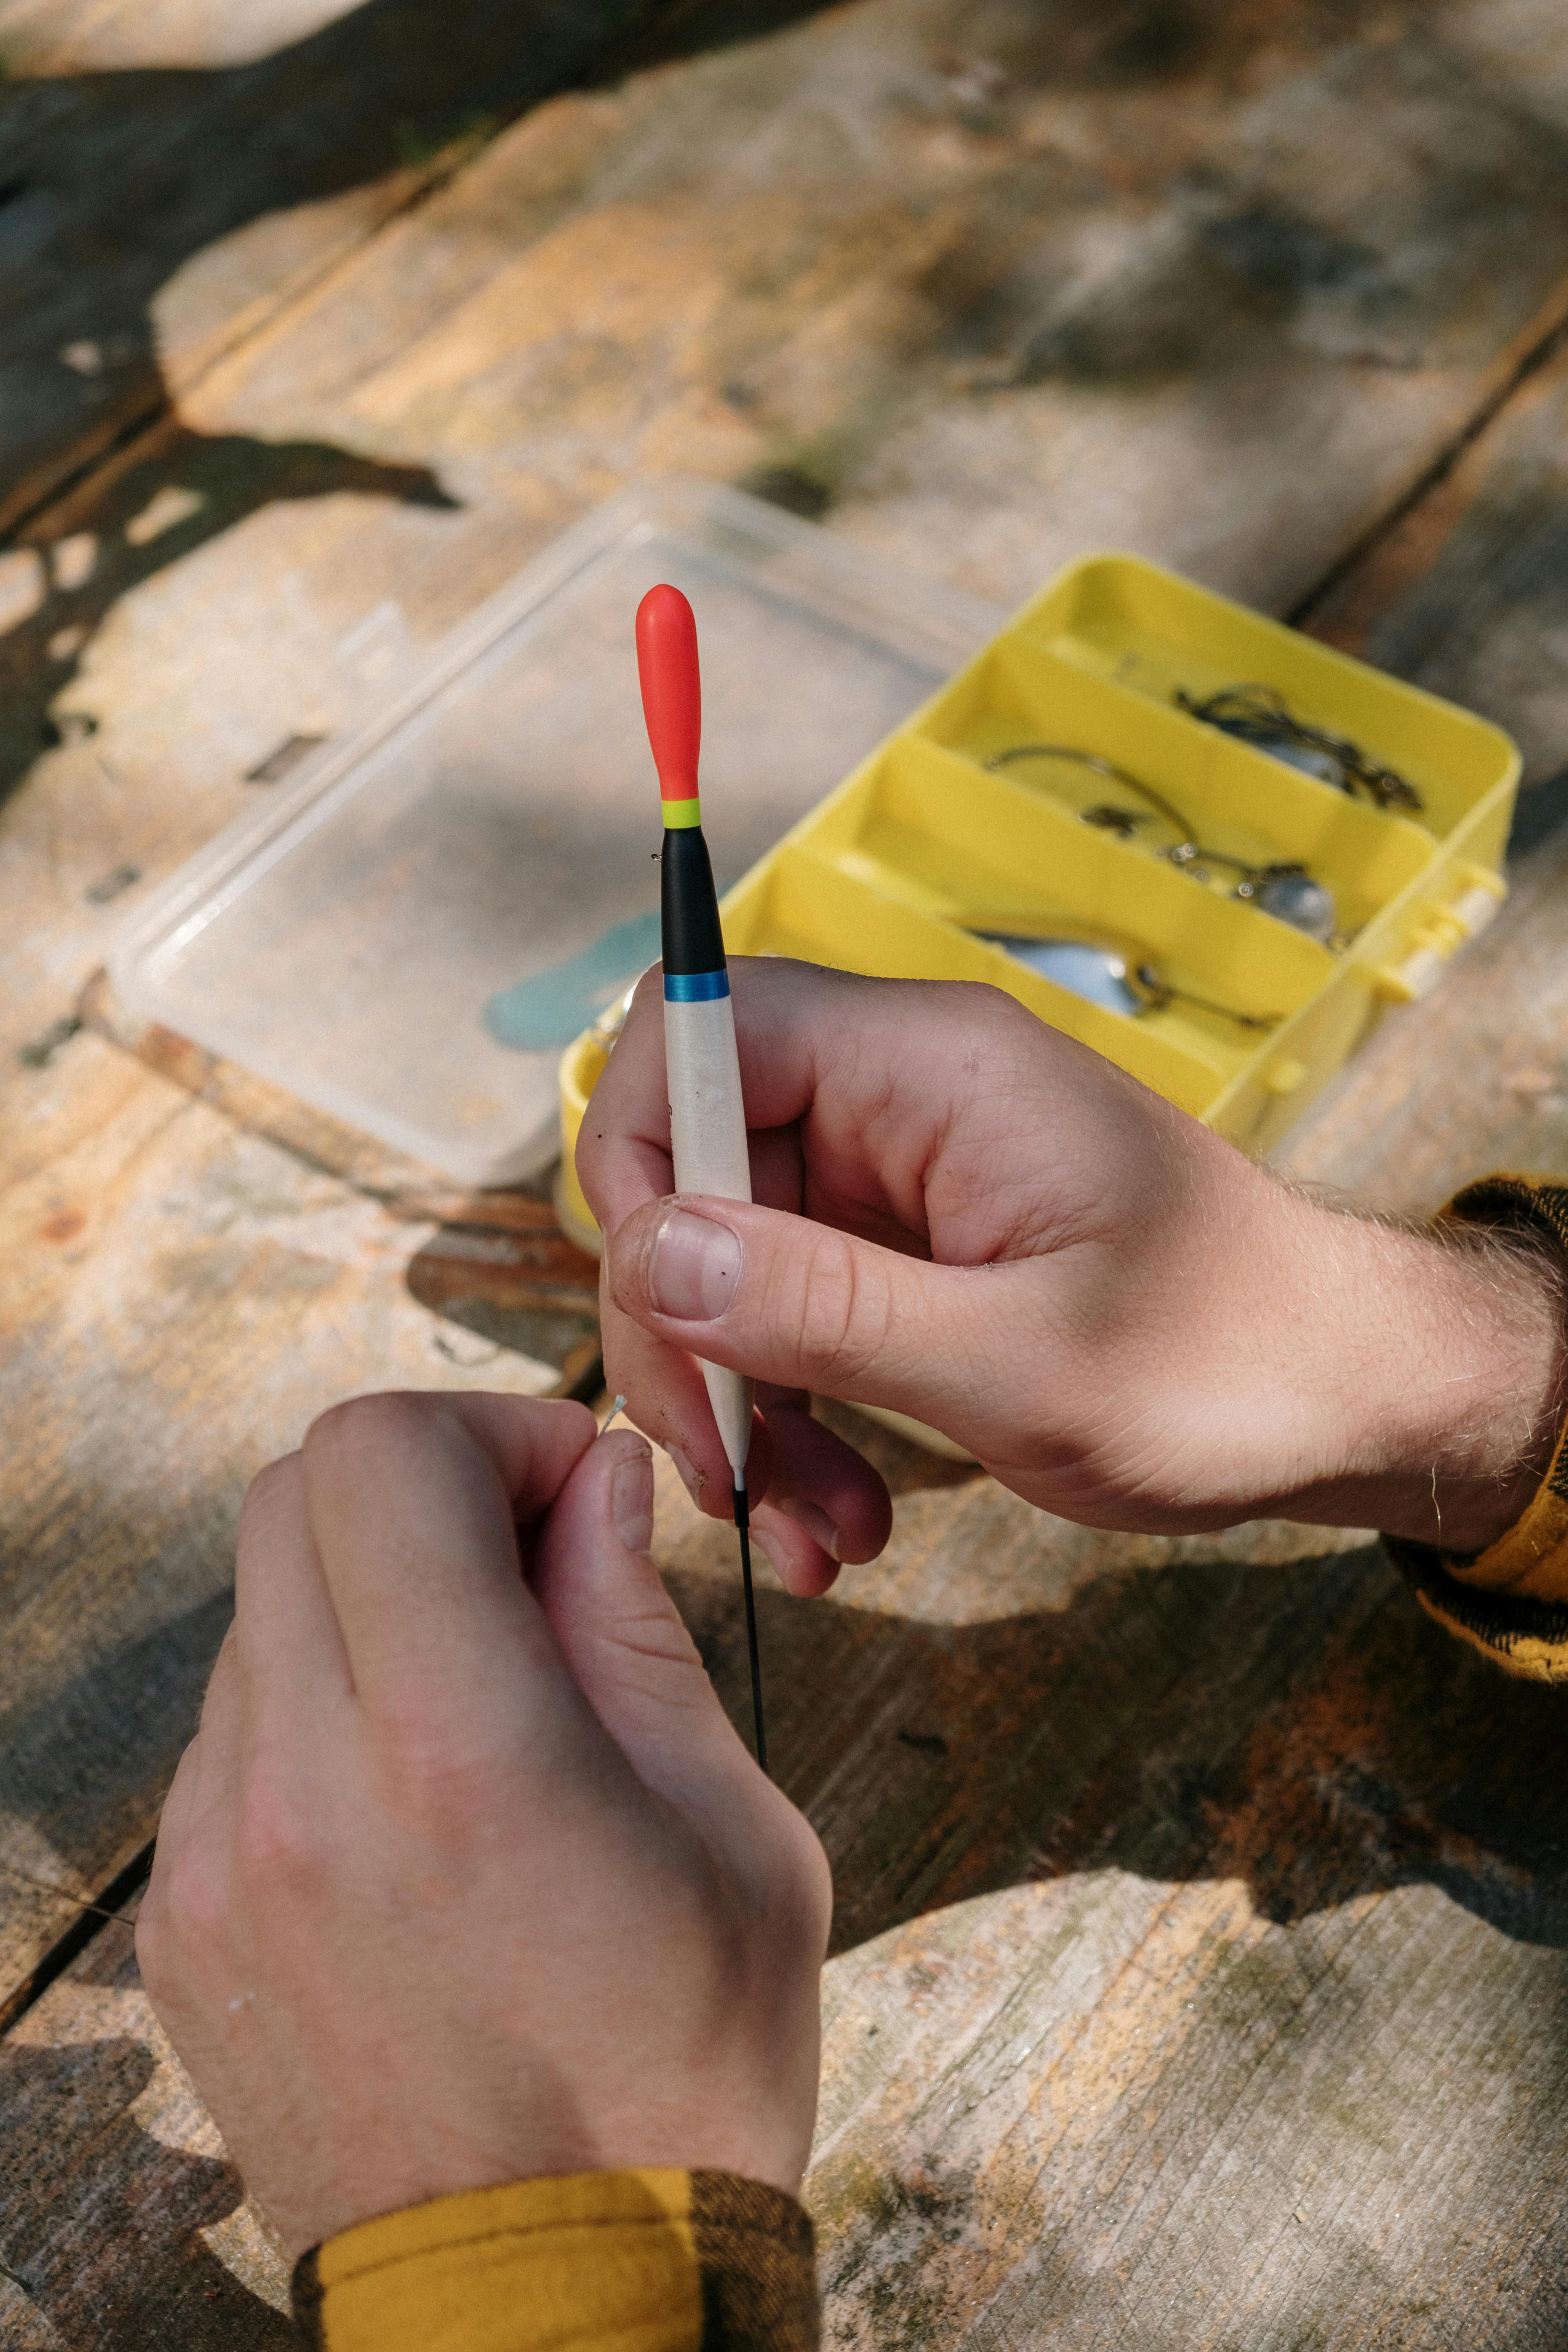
pixel 671 688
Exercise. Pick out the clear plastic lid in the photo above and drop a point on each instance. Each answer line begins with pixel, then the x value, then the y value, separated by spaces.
pixel 410 933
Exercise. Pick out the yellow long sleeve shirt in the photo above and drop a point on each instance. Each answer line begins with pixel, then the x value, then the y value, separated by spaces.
pixel 701 2261
pixel 596 2262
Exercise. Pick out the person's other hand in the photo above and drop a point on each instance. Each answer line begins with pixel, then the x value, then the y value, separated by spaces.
pixel 466 1876
pixel 965 1215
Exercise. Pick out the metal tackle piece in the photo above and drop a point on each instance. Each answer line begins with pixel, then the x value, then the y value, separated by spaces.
pixel 1287 890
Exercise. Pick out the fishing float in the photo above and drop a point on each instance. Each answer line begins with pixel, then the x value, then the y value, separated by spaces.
pixel 707 1111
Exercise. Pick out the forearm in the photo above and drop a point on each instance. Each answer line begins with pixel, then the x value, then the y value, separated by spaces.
pixel 1439 1372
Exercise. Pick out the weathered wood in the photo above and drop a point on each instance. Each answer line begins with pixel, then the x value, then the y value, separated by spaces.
pixel 1201 1909
pixel 1469 595
pixel 121 2223
pixel 836 297
pixel 1200 1928
pixel 986 288
pixel 1200 1935
pixel 179 1298
pixel 159 214
pixel 1472 1079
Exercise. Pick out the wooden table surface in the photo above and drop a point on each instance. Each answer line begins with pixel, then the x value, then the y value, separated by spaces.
pixel 1198 1975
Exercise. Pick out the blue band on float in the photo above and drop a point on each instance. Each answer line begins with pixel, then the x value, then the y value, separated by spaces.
pixel 695 987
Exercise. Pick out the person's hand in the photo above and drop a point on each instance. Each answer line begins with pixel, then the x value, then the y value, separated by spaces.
pixel 963 1214
pixel 466 1876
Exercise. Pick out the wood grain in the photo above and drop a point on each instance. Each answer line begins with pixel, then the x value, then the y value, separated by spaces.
pixel 1465 596
pixel 986 286
pixel 1196 1967
pixel 121 2221
pixel 161 213
pixel 1198 1952
pixel 179 1298
pixel 1197 1975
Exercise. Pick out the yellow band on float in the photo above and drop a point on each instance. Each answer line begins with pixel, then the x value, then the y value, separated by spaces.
pixel 680 814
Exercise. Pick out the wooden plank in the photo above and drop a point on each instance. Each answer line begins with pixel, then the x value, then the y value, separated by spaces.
pixel 179 1299
pixel 459 358
pixel 1209 1887
pixel 901 305
pixel 986 290
pixel 1199 1938
pixel 157 214
pixel 1465 596
pixel 121 2222
pixel 1200 1932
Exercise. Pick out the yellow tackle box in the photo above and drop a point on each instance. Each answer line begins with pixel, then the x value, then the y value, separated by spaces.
pixel 926 863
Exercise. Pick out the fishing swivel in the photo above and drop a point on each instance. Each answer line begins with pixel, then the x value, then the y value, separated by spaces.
pixel 1285 889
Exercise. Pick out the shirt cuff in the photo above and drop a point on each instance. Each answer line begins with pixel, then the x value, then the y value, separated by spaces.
pixel 1509 1601
pixel 589 2262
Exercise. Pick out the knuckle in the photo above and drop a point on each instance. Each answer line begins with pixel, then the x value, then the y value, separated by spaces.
pixel 436 1774
pixel 841 1305
pixel 279 1851
pixel 388 1420
pixel 269 1484
pixel 804 1899
pixel 995 1004
pixel 982 1020
pixel 153 1958
pixel 196 1893
pixel 969 1003
pixel 778 1902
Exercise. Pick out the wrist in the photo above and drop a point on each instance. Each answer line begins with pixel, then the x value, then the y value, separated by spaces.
pixel 1441 1369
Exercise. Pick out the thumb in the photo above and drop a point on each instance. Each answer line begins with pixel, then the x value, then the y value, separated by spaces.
pixel 621 1634
pixel 807 1307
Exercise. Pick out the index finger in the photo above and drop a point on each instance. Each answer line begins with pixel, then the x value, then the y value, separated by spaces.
pixel 624 1153
pixel 871 1066
pixel 413 1502
pixel 623 1147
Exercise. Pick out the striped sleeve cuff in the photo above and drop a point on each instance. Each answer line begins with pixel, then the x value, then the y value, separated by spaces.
pixel 1509 1601
pixel 591 2261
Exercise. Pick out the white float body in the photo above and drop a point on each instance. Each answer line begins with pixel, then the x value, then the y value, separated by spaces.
pixel 707 1131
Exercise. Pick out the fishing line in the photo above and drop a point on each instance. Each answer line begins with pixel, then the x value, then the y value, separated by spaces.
pixel 744 1528
pixel 48 1887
